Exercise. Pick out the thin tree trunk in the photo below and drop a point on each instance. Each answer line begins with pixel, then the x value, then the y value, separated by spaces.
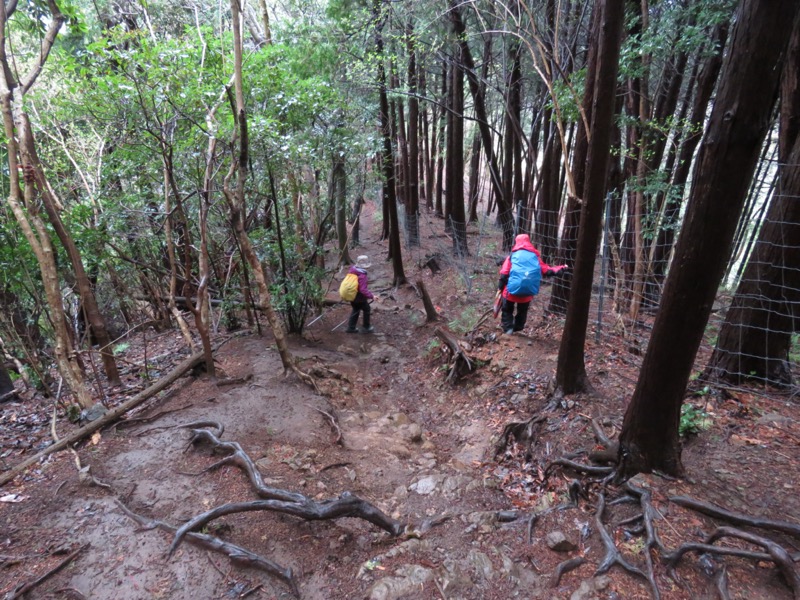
pixel 504 207
pixel 24 204
pixel 387 157
pixel 235 199
pixel 412 180
pixel 571 373
pixel 456 163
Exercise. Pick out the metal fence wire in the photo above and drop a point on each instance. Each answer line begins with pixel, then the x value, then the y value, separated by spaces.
pixel 625 298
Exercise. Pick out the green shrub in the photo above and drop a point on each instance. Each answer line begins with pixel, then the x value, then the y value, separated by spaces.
pixel 693 420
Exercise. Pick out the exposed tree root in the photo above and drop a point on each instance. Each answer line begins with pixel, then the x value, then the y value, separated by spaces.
pixel 565 567
pixel 613 555
pixel 717 512
pixel 652 541
pixel 234 552
pixel 610 448
pixel 24 588
pixel 334 424
pixel 462 364
pixel 775 553
pixel 721 583
pixel 278 500
pixel 524 432
pixel 644 522
pixel 576 466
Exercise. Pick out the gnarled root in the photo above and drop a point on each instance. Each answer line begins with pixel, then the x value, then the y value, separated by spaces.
pixel 279 500
pixel 774 552
pixel 234 552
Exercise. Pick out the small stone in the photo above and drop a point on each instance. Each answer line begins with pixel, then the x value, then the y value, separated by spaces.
pixel 414 433
pixel 558 542
pixel 94 413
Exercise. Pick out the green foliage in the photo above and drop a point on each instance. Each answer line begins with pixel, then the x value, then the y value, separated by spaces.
pixel 297 283
pixel 465 321
pixel 693 420
pixel 569 96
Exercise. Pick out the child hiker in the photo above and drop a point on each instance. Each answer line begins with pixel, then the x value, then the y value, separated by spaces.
pixel 360 303
pixel 520 277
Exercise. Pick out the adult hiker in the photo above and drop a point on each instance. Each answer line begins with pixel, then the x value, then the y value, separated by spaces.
pixel 360 303
pixel 520 277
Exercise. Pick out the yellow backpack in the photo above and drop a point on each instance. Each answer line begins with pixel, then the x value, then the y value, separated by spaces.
pixel 349 287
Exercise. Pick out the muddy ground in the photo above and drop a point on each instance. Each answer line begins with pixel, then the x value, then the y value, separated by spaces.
pixel 419 449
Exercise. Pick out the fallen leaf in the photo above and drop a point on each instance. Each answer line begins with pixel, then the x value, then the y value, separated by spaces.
pixel 96 438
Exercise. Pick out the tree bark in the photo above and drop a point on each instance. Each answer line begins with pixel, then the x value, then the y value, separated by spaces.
pixel 559 294
pixel 756 337
pixel 736 128
pixel 571 371
pixel 387 157
pixel 455 160
pixel 504 207
pixel 412 179
pixel 339 193
pixel 235 200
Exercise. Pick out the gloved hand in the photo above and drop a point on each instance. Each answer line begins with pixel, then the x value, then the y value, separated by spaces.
pixel 556 270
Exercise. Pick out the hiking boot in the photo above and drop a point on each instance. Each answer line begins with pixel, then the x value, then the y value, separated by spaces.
pixel 349 330
pixel 509 331
pixel 368 330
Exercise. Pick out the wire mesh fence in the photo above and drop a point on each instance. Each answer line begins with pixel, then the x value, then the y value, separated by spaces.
pixel 750 333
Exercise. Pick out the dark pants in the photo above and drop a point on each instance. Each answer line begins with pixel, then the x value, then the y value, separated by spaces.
pixel 358 306
pixel 511 321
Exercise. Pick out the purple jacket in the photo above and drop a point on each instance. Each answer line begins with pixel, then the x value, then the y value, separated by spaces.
pixel 363 291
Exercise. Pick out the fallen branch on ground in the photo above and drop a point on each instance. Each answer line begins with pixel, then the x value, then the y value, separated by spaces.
pixel 24 588
pixel 111 416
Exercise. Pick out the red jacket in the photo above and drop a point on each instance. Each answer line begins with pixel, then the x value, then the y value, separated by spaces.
pixel 522 242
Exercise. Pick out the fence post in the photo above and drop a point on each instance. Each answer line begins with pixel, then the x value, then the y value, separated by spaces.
pixel 603 269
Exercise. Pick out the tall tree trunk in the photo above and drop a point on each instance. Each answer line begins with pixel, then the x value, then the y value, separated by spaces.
pixel 569 238
pixel 706 82
pixel 504 207
pixel 88 300
pixel 736 128
pixel 412 180
pixel 456 162
pixel 387 158
pixel 441 144
pixel 236 204
pixel 171 188
pixel 571 372
pixel 339 193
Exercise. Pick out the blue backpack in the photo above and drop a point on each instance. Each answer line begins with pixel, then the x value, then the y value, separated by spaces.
pixel 525 275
